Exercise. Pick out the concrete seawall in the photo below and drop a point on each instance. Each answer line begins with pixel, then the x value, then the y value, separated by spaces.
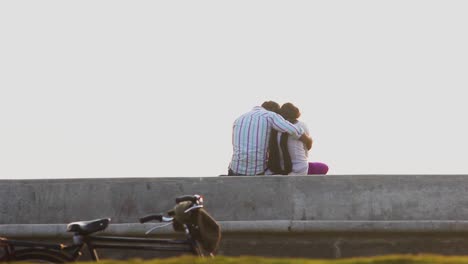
pixel 309 216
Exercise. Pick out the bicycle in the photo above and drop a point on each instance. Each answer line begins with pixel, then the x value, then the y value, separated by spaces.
pixel 200 238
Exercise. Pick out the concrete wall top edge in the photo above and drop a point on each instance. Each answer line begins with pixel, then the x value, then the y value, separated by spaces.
pixel 150 179
pixel 301 198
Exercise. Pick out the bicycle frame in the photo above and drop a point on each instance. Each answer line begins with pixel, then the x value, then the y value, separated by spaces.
pixel 93 243
pixel 97 242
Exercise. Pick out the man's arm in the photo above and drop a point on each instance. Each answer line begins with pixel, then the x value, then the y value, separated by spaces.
pixel 282 125
pixel 306 140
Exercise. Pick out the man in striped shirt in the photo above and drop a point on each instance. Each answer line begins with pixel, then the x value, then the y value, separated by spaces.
pixel 250 137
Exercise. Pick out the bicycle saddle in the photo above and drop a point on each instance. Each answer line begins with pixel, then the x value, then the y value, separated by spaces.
pixel 88 227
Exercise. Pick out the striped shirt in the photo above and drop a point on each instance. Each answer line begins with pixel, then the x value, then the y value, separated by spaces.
pixel 250 135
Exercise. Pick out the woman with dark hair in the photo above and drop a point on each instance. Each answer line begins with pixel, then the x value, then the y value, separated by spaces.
pixel 289 156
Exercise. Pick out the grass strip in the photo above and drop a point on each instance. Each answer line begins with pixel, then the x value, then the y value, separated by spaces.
pixel 388 259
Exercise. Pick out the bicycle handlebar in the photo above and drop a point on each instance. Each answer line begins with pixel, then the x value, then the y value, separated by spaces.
pixel 192 198
pixel 197 202
pixel 157 217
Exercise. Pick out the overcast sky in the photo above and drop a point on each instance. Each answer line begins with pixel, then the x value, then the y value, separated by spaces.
pixel 151 88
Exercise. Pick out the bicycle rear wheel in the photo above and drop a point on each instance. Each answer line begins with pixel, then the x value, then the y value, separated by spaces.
pixel 41 256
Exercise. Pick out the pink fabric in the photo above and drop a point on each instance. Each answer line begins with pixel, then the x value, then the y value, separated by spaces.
pixel 317 168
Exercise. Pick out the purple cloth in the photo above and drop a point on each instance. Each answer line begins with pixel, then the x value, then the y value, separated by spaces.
pixel 317 168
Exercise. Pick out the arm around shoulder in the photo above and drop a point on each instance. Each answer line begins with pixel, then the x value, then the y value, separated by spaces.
pixel 282 125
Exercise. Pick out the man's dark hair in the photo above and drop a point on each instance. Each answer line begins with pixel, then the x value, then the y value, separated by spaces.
pixel 271 106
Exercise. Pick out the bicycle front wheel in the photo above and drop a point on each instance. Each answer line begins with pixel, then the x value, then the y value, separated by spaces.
pixel 41 256
pixel 196 248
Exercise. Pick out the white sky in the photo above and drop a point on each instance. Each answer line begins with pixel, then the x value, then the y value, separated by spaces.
pixel 151 88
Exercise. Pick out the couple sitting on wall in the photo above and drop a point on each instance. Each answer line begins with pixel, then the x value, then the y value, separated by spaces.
pixel 269 140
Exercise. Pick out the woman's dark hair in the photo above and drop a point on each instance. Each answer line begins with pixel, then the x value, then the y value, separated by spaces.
pixel 290 113
pixel 273 154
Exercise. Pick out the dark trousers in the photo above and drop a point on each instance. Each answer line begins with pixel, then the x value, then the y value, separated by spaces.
pixel 232 173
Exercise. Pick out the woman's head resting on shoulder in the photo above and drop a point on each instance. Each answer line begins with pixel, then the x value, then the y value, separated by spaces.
pixel 290 112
